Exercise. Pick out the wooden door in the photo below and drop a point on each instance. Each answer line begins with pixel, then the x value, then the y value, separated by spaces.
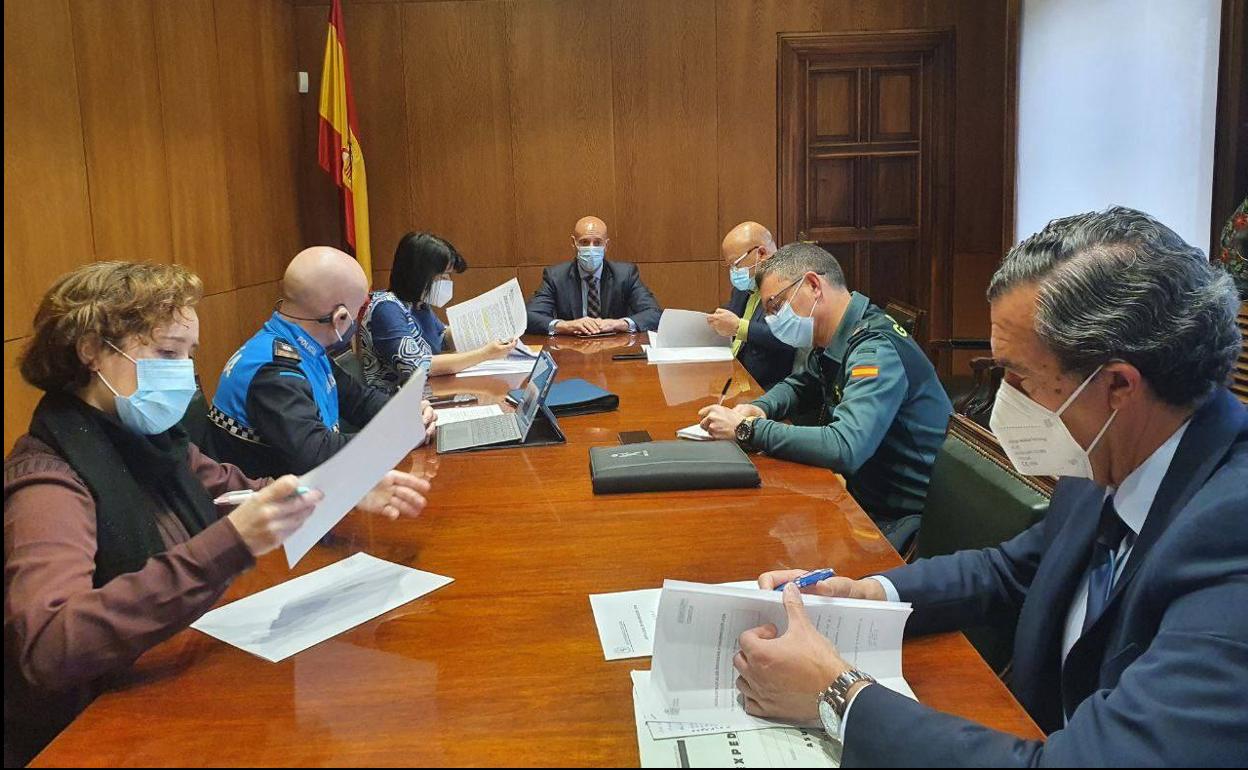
pixel 865 159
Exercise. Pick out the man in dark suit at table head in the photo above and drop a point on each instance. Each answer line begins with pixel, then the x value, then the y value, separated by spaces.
pixel 1129 598
pixel 590 295
pixel 768 360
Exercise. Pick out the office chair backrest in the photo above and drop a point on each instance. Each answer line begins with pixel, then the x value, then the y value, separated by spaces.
pixel 907 317
pixel 976 500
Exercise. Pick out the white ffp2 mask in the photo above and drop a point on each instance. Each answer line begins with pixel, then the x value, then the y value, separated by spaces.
pixel 1036 440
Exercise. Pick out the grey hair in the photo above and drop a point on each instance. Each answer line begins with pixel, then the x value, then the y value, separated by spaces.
pixel 796 259
pixel 1119 285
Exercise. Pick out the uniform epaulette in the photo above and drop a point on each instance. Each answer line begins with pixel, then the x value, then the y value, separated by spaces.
pixel 283 349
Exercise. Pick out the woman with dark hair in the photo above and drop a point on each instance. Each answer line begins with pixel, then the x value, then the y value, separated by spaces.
pixel 399 331
pixel 113 541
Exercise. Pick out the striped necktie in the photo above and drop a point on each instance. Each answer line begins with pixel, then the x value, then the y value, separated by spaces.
pixel 592 308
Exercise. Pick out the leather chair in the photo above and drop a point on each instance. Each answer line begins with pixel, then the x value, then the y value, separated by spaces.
pixel 977 500
pixel 907 317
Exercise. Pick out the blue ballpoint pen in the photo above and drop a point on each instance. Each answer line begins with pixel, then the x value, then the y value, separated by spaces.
pixel 810 578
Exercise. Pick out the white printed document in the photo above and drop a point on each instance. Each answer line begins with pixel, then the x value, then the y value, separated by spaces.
pixel 351 473
pixel 695 640
pixel 687 329
pixel 498 314
pixel 454 414
pixel 292 616
pixel 684 337
pixel 771 747
pixel 625 620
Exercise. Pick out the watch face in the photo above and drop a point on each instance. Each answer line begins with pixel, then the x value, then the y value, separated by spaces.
pixel 831 722
pixel 745 431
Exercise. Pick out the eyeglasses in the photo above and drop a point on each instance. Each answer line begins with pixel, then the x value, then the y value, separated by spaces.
pixel 772 304
pixel 739 259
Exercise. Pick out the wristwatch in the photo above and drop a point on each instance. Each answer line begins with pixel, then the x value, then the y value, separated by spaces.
pixel 745 431
pixel 833 701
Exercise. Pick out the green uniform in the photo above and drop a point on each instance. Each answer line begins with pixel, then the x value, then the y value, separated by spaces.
pixel 885 412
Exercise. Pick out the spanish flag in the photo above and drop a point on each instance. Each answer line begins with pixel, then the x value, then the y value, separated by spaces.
pixel 338 147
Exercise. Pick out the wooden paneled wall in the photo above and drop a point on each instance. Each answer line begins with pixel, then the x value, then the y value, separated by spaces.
pixel 498 123
pixel 148 130
pixel 171 131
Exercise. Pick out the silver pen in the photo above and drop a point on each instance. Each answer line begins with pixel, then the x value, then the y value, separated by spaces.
pixel 241 496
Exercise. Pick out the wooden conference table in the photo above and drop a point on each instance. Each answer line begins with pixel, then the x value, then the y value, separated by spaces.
pixel 503 667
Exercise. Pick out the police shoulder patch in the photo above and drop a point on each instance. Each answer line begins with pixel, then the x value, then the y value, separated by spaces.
pixel 283 349
pixel 861 372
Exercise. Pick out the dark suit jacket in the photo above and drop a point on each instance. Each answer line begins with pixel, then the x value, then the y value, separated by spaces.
pixel 1159 679
pixel 767 359
pixel 621 294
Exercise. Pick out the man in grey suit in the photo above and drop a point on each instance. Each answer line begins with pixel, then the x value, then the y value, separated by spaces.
pixel 1128 599
pixel 590 295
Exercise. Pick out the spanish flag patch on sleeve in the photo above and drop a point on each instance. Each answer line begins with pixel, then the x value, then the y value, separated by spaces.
pixel 862 372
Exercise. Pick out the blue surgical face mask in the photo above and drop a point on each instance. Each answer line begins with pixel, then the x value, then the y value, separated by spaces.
pixel 741 278
pixel 165 389
pixel 590 257
pixel 792 329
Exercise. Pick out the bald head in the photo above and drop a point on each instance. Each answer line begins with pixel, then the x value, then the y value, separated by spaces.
pixel 590 231
pixel 322 277
pixel 323 281
pixel 743 238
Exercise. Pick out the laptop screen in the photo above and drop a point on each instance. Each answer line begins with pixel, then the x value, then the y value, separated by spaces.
pixel 535 390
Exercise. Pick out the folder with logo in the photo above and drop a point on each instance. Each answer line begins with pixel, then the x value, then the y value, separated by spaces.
pixel 663 466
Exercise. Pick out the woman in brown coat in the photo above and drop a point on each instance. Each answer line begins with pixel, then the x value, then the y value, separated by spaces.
pixel 112 542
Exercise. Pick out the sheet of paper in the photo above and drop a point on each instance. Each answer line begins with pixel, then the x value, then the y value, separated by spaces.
pixel 652 338
pixel 625 620
pixel 659 355
pixel 292 616
pixel 464 413
pixel 498 314
pixel 696 634
pixel 687 329
pixel 772 747
pixel 498 367
pixel 695 432
pixel 349 475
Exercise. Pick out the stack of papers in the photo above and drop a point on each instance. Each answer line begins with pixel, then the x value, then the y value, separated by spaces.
pixel 685 355
pixel 500 366
pixel 456 414
pixel 519 361
pixel 288 618
pixel 684 336
pixel 692 686
pixel 771 747
pixel 626 620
